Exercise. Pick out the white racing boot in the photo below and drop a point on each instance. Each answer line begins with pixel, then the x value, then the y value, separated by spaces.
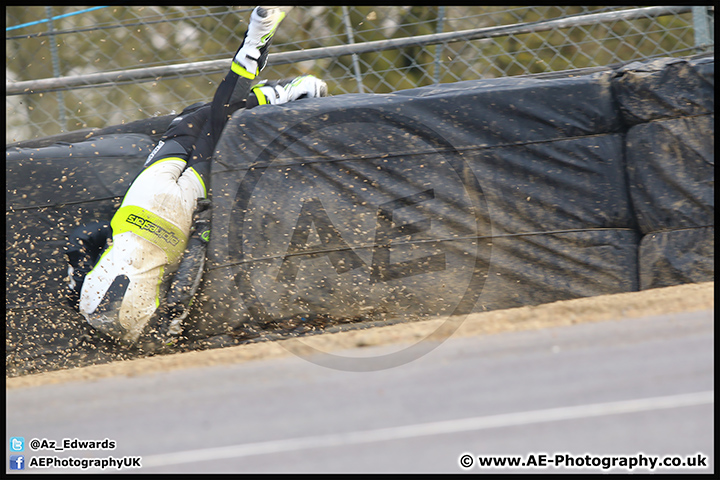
pixel 283 91
pixel 251 57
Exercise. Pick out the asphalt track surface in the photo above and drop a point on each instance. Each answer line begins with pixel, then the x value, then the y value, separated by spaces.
pixel 613 388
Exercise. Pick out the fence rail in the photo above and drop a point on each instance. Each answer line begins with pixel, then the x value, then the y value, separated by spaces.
pixel 390 48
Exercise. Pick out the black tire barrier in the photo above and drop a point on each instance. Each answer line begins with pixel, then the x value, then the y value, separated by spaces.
pixel 665 88
pixel 669 106
pixel 50 191
pixel 439 200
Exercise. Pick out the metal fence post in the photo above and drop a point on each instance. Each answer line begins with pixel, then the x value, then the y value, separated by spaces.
pixel 351 39
pixel 703 28
pixel 56 67
pixel 438 48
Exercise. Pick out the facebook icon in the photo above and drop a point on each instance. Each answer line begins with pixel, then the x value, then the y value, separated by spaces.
pixel 17 462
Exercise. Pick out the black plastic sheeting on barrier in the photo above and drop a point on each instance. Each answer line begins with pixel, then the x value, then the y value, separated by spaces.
pixel 665 88
pixel 677 257
pixel 671 171
pixel 49 191
pixel 671 166
pixel 434 201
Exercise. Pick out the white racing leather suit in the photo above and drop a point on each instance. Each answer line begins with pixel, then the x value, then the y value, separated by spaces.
pixel 150 232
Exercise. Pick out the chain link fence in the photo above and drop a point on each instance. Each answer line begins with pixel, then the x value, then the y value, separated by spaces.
pixel 75 68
